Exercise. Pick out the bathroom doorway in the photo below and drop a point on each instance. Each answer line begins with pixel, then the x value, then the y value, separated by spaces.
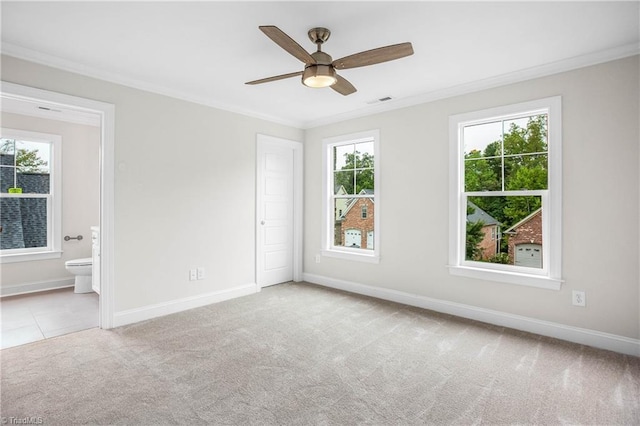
pixel 36 101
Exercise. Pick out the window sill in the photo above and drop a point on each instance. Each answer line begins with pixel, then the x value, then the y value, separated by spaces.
pixel 349 255
pixel 507 277
pixel 28 257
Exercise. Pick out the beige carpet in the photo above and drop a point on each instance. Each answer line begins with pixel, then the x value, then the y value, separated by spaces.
pixel 301 354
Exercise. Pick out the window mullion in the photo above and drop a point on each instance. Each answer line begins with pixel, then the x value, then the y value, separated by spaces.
pixel 521 193
pixel 502 176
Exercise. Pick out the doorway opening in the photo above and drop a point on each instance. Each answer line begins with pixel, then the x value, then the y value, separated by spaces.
pixel 26 100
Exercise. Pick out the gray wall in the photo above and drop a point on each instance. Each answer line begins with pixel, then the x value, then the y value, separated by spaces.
pixel 600 201
pixel 184 187
pixel 202 213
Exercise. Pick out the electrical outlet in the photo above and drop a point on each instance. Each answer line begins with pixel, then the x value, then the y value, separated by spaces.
pixel 193 274
pixel 201 273
pixel 578 298
pixel 317 258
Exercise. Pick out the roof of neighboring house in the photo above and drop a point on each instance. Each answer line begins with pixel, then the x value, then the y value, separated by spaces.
pixel 523 221
pixel 353 201
pixel 339 189
pixel 480 215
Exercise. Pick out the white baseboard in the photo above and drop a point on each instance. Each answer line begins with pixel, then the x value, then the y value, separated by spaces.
pixel 131 316
pixel 582 336
pixel 36 286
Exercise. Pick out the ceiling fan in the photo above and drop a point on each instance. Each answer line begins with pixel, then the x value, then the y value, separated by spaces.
pixel 319 68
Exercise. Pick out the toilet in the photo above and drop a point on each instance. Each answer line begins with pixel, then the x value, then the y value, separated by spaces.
pixel 81 268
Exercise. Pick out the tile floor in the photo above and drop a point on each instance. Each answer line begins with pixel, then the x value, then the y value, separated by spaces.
pixel 31 317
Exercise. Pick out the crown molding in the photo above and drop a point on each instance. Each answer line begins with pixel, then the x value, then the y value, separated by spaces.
pixel 557 67
pixel 19 52
pixel 489 83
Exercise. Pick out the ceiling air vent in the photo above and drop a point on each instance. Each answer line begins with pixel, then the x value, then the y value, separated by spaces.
pixel 49 109
pixel 375 101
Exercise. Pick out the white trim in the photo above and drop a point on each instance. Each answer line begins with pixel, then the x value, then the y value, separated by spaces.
pixel 298 198
pixel 36 286
pixel 298 210
pixel 549 276
pixel 328 217
pixel 540 71
pixel 106 112
pixel 30 256
pixel 508 277
pixel 582 61
pixel 19 52
pixel 357 255
pixel 569 333
pixel 131 316
pixel 107 217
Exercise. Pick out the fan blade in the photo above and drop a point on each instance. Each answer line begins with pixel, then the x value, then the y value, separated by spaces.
pixel 343 87
pixel 274 78
pixel 374 56
pixel 287 43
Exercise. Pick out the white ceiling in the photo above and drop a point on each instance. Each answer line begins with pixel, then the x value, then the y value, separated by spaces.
pixel 205 51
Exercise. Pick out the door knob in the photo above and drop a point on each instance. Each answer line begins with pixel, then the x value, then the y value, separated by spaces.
pixel 262 222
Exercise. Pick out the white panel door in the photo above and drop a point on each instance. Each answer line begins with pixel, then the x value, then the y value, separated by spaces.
pixel 275 215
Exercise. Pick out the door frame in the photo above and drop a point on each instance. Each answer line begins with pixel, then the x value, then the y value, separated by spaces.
pixel 297 148
pixel 106 112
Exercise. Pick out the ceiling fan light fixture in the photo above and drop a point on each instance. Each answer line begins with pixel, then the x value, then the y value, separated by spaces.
pixel 320 68
pixel 319 76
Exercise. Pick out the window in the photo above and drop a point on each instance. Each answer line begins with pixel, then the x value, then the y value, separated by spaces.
pixel 30 189
pixel 505 185
pixel 351 203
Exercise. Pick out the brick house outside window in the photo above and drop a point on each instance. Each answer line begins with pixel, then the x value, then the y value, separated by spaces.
pixel 525 241
pixel 356 231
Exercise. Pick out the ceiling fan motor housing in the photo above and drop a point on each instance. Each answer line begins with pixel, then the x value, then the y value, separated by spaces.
pixel 319 35
pixel 322 58
pixel 319 75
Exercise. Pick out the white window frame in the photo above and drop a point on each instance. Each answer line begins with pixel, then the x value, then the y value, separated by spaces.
pixel 53 249
pixel 550 275
pixel 328 247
